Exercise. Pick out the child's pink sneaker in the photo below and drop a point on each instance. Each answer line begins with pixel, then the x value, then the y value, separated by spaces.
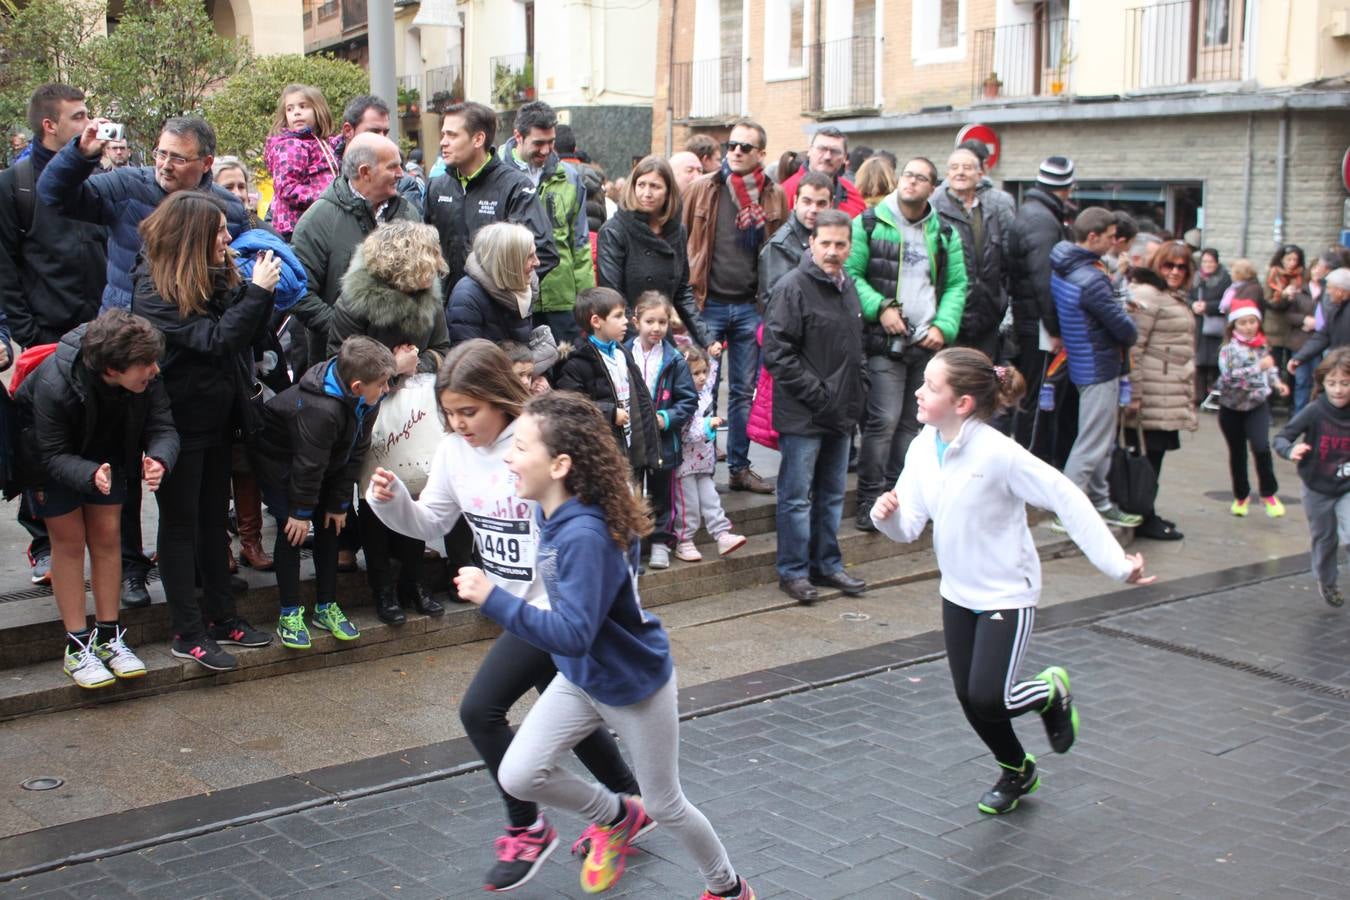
pixel 686 551
pixel 728 543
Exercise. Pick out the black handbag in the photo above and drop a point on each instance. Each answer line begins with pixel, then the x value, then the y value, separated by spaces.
pixel 1132 481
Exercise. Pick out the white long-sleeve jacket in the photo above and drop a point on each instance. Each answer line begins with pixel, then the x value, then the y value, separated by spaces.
pixel 474 482
pixel 976 499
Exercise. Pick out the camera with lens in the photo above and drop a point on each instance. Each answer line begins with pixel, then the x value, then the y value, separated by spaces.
pixel 898 343
pixel 111 131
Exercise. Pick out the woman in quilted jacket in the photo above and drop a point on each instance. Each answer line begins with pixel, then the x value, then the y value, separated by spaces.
pixel 1162 364
pixel 301 154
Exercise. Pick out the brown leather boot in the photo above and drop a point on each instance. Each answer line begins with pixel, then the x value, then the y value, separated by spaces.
pixel 248 511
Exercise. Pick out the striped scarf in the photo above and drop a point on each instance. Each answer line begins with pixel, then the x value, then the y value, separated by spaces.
pixel 746 190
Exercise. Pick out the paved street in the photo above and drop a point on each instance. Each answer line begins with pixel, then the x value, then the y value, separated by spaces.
pixel 1214 761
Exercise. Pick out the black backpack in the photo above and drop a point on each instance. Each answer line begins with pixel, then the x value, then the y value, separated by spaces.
pixel 25 195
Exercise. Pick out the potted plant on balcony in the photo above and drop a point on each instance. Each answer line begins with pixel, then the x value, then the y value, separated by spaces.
pixel 1066 57
pixel 409 101
pixel 992 85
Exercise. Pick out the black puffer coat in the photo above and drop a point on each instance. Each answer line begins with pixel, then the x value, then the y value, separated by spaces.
pixel 208 358
pixel 986 289
pixel 65 413
pixel 1037 228
pixel 585 372
pixel 633 259
pixel 314 438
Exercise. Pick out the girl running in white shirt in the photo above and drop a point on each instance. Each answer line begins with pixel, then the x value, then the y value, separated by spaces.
pixel 973 483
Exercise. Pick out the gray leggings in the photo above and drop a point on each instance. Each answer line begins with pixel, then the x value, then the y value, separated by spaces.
pixel 650 729
pixel 1329 523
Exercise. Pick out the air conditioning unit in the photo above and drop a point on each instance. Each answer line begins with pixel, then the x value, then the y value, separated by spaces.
pixel 1340 23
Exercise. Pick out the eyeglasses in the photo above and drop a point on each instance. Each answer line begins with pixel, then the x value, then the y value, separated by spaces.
pixel 916 176
pixel 164 156
pixel 741 146
pixel 1172 266
pixel 828 151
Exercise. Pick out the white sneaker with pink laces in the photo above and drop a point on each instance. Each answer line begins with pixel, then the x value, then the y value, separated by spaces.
pixel 728 543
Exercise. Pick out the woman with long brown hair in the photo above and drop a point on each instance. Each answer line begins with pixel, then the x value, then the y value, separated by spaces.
pixel 187 285
pixel 645 246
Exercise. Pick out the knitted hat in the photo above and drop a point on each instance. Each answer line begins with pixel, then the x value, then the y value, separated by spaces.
pixel 1056 172
pixel 1243 307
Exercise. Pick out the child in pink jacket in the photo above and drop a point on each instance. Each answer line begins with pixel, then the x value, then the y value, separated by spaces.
pixel 301 154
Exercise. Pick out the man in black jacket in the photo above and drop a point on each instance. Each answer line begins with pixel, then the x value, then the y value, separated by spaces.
pixel 813 349
pixel 478 188
pixel 1037 228
pixel 56 267
pixel 782 252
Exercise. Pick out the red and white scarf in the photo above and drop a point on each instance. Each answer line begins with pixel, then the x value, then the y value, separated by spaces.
pixel 747 190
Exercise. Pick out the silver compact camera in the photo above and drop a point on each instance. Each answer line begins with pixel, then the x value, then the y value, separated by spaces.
pixel 111 131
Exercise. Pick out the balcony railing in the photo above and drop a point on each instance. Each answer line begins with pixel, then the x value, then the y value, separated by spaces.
pixel 512 80
pixel 1031 60
pixel 1183 42
pixel 353 14
pixel 410 99
pixel 841 77
pixel 708 89
pixel 444 88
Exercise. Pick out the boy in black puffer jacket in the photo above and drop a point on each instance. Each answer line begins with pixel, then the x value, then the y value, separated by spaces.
pixel 314 438
pixel 600 367
pixel 94 411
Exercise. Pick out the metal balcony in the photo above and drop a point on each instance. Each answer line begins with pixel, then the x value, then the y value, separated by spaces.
pixel 1184 42
pixel 707 90
pixel 1020 61
pixel 841 77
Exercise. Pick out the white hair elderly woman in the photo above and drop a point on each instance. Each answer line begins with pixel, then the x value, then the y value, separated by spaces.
pixel 494 298
pixel 1333 329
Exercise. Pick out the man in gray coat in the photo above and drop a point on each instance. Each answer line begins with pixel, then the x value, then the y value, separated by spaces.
pixel 363 197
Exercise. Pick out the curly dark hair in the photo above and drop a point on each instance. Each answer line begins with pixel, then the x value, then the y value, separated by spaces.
pixel 569 423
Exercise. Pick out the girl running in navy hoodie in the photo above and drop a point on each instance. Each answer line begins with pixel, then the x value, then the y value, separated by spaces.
pixel 614 663
pixel 974 483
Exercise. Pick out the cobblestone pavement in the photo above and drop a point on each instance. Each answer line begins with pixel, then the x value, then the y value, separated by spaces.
pixel 1214 761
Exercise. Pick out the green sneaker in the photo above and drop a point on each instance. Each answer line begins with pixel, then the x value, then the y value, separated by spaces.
pixel 1011 787
pixel 1059 716
pixel 292 631
pixel 1057 526
pixel 1114 515
pixel 330 617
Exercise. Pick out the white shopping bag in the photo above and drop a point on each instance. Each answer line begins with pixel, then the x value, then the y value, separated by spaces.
pixel 406 434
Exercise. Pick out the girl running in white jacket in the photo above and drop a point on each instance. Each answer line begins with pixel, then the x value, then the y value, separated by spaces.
pixel 973 483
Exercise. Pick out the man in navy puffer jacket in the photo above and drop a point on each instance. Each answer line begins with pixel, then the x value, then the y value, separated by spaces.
pixel 122 198
pixel 1096 332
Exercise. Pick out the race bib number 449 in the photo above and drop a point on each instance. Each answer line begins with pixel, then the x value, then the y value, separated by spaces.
pixel 505 545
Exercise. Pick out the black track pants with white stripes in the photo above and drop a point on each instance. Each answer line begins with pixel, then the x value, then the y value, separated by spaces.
pixel 984 651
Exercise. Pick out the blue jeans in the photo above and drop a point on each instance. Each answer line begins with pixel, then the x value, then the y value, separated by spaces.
pixel 812 477
pixel 735 324
pixel 1303 384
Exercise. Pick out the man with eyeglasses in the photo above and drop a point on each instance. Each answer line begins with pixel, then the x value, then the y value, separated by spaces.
pixel 828 153
pixel 120 200
pixel 982 238
pixel 729 214
pixel 910 270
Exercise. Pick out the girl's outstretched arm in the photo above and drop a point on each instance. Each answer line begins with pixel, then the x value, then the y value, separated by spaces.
pixel 901 514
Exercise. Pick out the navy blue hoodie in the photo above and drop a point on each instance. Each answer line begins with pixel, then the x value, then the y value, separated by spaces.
pixel 596 632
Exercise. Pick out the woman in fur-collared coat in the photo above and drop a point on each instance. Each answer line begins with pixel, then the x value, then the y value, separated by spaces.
pixel 392 293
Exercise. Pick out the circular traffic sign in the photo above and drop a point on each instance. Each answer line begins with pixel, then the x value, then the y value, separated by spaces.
pixel 985 135
pixel 1345 169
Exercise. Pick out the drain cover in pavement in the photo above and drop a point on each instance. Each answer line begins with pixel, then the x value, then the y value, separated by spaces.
pixel 43 783
pixel 854 617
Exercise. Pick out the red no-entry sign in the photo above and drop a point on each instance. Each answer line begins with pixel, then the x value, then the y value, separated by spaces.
pixel 1345 170
pixel 987 136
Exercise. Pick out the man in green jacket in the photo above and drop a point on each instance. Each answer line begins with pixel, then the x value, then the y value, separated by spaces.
pixel 910 272
pixel 363 196
pixel 563 196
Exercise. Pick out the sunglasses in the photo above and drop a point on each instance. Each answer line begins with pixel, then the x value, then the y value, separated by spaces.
pixel 741 146
pixel 1172 266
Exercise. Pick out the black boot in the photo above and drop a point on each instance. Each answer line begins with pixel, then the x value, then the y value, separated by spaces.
pixel 387 608
pixel 421 600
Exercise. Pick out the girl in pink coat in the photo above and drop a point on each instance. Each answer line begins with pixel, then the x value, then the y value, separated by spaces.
pixel 301 154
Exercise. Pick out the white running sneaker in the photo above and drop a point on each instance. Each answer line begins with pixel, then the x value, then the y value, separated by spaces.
pixel 686 551
pixel 660 558
pixel 119 658
pixel 728 543
pixel 85 668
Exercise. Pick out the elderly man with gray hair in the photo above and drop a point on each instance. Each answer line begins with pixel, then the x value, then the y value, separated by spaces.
pixel 1333 329
pixel 354 205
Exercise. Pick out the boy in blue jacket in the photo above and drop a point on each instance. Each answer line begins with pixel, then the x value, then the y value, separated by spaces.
pixel 1096 332
pixel 614 663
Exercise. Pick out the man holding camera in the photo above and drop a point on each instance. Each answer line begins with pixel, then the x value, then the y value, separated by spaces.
pixel 910 271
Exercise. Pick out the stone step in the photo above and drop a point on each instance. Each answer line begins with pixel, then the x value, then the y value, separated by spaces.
pixel 31 629
pixel 685 593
